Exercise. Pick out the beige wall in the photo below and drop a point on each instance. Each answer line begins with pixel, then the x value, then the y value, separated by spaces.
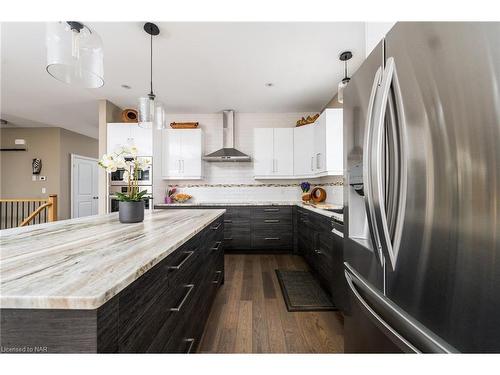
pixel 16 170
pixel 53 146
pixel 108 112
pixel 72 143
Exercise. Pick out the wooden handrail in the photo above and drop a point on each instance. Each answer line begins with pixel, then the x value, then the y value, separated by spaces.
pixel 34 213
pixel 25 200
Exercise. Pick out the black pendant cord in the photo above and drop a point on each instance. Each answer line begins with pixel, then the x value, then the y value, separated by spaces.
pixel 151 94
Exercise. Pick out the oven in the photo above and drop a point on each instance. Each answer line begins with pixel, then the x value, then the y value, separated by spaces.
pixel 113 202
pixel 145 176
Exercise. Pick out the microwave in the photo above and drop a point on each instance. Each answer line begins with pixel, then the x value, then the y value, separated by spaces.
pixel 145 175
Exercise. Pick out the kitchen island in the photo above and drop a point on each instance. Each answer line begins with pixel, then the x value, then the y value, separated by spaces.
pixel 96 285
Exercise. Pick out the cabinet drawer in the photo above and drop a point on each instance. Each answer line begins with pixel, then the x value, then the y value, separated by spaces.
pixel 272 212
pixel 234 213
pixel 273 222
pixel 272 241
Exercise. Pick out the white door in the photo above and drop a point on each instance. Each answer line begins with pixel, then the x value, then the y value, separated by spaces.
pixel 84 194
pixel 263 163
pixel 283 151
pixel 142 139
pixel 303 150
pixel 320 144
pixel 172 154
pixel 119 134
pixel 191 148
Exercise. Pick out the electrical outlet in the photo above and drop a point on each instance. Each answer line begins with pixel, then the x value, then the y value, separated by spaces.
pixel 33 178
pixel 43 178
pixel 44 190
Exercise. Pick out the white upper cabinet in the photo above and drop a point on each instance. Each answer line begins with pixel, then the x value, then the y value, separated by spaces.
pixel 182 151
pixel 307 151
pixel 328 141
pixel 130 134
pixel 304 158
pixel 273 153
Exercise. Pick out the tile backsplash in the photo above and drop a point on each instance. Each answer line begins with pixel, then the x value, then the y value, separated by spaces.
pixel 234 181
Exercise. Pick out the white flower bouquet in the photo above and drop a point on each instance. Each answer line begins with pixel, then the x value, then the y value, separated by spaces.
pixel 125 158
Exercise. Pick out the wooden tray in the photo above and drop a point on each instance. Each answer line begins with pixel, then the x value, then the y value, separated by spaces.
pixel 184 125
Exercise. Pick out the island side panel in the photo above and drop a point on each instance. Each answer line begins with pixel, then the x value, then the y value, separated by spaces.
pixel 48 331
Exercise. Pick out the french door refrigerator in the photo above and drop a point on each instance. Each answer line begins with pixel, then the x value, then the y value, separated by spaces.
pixel 422 192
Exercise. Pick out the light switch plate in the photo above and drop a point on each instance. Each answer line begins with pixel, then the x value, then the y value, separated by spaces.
pixel 33 178
pixel 44 190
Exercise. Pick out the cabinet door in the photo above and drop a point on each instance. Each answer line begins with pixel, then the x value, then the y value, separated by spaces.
pixel 334 141
pixel 191 148
pixel 118 135
pixel 303 150
pixel 142 139
pixel 320 144
pixel 283 152
pixel 171 154
pixel 263 152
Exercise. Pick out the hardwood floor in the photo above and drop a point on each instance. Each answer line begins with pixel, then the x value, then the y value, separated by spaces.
pixel 250 316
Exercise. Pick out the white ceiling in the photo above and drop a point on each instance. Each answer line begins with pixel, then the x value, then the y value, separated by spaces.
pixel 198 68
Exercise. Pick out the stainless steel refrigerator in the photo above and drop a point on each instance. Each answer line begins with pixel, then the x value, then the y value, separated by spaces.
pixel 422 191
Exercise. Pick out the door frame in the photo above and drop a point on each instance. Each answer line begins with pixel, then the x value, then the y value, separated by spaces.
pixel 73 156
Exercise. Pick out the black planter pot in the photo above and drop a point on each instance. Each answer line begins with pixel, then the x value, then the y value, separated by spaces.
pixel 131 212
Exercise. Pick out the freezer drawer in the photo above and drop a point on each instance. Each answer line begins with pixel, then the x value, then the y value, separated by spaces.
pixel 388 323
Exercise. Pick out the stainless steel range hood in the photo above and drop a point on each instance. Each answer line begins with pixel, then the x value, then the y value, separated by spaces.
pixel 227 152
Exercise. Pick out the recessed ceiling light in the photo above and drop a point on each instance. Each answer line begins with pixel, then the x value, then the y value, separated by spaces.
pixel 126 87
pixel 269 84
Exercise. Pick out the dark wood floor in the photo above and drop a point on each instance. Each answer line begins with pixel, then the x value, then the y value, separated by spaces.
pixel 250 316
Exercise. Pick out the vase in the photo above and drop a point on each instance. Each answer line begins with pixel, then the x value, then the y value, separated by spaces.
pixel 168 200
pixel 131 212
pixel 306 197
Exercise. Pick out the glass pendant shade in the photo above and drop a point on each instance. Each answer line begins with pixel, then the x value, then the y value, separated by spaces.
pixel 145 112
pixel 159 120
pixel 340 95
pixel 74 54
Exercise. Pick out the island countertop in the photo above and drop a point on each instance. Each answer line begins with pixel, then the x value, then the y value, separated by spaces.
pixel 82 263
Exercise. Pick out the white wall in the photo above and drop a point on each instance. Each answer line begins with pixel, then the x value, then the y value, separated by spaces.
pixel 234 181
pixel 374 33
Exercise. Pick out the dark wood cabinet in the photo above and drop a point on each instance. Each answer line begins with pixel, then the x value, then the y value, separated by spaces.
pixel 323 251
pixel 256 228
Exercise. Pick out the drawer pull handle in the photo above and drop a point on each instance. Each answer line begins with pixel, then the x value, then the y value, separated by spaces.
pixel 318 252
pixel 218 273
pixel 228 239
pixel 228 221
pixel 338 233
pixel 177 267
pixel 218 226
pixel 271 238
pixel 271 209
pixel 191 343
pixel 190 288
pixel 271 221
pixel 217 245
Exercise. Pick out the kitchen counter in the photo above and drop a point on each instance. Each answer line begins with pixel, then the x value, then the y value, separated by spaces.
pixel 321 208
pixel 82 263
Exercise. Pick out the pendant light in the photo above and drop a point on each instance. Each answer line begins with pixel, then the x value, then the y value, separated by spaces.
pixel 344 56
pixel 150 110
pixel 74 54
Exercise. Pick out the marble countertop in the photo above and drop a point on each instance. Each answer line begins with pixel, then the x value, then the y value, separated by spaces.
pixel 82 263
pixel 321 208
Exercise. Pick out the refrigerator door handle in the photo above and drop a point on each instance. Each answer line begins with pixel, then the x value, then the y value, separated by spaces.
pixel 407 327
pixel 367 176
pixel 389 243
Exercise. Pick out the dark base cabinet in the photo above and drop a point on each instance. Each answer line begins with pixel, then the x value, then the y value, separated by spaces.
pixel 323 251
pixel 255 228
pixel 163 311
